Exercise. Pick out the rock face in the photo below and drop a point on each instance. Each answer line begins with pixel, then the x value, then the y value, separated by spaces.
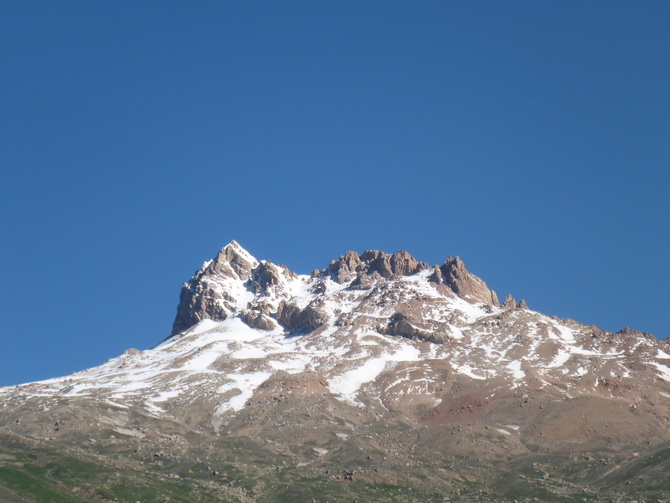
pixel 203 298
pixel 454 274
pixel 264 276
pixel 233 262
pixel 345 267
pixel 256 319
pixel 375 264
pixel 415 329
pixel 509 302
pixel 293 317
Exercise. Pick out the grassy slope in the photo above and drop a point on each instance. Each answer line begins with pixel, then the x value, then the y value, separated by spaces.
pixel 42 476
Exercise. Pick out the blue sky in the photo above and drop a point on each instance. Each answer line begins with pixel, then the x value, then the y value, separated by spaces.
pixel 138 138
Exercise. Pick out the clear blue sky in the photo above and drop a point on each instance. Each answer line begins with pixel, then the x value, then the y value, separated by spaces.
pixel 137 138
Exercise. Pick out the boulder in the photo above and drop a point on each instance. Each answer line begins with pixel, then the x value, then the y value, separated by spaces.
pixel 293 317
pixel 257 319
pixel 404 326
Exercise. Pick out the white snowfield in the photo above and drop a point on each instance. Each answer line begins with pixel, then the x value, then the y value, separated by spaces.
pixel 225 362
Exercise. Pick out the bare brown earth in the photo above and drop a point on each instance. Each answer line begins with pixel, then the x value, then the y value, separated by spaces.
pixel 293 437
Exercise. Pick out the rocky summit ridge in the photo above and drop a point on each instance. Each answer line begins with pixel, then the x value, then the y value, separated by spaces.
pixel 378 371
pixel 214 292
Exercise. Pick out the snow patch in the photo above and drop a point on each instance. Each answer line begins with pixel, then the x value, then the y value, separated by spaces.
pixel 468 371
pixel 515 368
pixel 245 384
pixel 347 385
pixel 663 370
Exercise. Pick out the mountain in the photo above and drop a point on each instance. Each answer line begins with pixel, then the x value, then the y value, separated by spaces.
pixel 376 378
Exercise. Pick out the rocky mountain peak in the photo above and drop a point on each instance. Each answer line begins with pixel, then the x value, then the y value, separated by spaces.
pixel 345 267
pixel 465 284
pixel 210 293
pixel 232 261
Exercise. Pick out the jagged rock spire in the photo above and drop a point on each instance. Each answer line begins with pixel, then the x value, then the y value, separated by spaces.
pixel 371 262
pixel 232 261
pixel 200 298
pixel 465 284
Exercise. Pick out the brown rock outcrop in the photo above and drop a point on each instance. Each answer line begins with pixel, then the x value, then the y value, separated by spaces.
pixel 509 302
pixel 403 264
pixel 264 276
pixel 436 275
pixel 230 262
pixel 350 265
pixel 196 303
pixel 378 261
pixel 404 326
pixel 294 318
pixel 344 268
pixel 361 282
pixel 463 283
pixel 256 319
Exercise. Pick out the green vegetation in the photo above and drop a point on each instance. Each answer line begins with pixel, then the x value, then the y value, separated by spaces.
pixel 26 478
pixel 238 470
